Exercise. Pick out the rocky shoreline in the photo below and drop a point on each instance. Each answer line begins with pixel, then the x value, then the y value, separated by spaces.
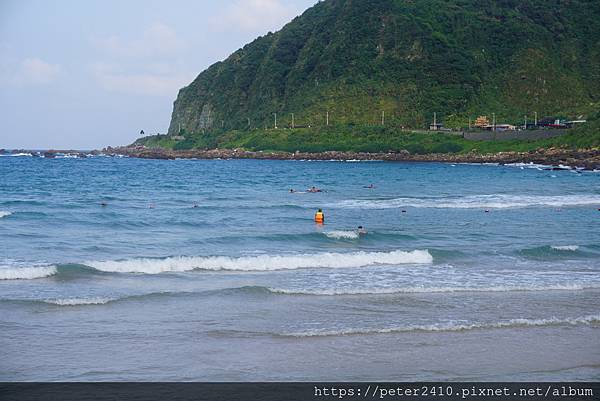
pixel 588 159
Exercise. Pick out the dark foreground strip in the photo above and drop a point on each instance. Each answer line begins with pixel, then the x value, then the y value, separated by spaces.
pixel 318 391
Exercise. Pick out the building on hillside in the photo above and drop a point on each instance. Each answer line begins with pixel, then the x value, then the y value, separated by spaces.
pixel 436 127
pixel 482 121
pixel 530 125
pixel 500 127
pixel 551 122
pixel 573 123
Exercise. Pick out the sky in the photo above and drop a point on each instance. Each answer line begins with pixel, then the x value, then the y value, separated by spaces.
pixel 89 74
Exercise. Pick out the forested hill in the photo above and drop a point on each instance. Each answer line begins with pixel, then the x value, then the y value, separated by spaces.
pixel 354 59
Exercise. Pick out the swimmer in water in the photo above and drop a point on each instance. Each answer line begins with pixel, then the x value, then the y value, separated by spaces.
pixel 314 190
pixel 361 230
pixel 103 204
pixel 292 190
pixel 370 186
pixel 319 217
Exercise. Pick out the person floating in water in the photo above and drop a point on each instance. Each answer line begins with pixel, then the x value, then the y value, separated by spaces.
pixel 370 186
pixel 292 190
pixel 361 230
pixel 103 204
pixel 319 217
pixel 314 189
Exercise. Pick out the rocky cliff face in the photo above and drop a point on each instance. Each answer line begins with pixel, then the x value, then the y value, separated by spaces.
pixel 354 60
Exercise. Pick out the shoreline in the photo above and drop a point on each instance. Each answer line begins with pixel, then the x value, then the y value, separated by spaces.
pixel 587 159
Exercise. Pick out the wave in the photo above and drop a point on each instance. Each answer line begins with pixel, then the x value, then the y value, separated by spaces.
pixel 531 165
pixel 423 289
pixel 26 273
pixel 341 234
pixel 16 155
pixel 263 262
pixel 79 301
pixel 496 201
pixel 454 326
pixel 63 271
pixel 554 252
pixel 76 301
pixel 571 248
pixel 4 213
pixel 103 300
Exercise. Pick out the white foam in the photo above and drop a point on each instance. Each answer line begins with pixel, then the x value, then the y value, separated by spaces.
pixel 4 213
pixel 342 234
pixel 424 289
pixel 26 273
pixel 455 326
pixel 495 201
pixel 17 154
pixel 528 165
pixel 264 262
pixel 79 301
pixel 565 247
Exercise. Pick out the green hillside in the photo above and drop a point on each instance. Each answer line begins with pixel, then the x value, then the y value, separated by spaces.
pixel 355 60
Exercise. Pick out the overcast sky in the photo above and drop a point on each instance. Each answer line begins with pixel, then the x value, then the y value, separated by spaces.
pixel 87 74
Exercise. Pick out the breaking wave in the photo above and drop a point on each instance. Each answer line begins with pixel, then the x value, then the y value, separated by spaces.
pixel 555 252
pixel 263 262
pixel 26 273
pixel 528 165
pixel 342 234
pixel 454 326
pixel 4 213
pixel 496 201
pixel 571 248
pixel 16 155
pixel 423 289
pixel 79 301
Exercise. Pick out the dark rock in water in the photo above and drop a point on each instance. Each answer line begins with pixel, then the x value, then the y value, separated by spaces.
pixel 49 155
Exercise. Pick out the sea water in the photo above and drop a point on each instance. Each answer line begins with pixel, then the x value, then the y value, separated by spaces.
pixel 130 269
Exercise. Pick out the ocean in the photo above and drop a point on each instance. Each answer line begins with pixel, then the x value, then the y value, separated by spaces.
pixel 212 270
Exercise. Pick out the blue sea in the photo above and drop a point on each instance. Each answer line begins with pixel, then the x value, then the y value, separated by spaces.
pixel 212 270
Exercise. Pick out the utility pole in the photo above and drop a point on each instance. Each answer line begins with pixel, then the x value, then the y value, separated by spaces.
pixel 525 121
pixel 293 121
pixel 535 116
pixel 469 123
pixel 434 121
pixel 275 114
pixel 179 130
pixel 248 122
pixel 383 117
pixel 327 118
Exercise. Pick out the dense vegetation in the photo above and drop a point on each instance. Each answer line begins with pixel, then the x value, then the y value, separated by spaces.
pixel 356 59
pixel 368 139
